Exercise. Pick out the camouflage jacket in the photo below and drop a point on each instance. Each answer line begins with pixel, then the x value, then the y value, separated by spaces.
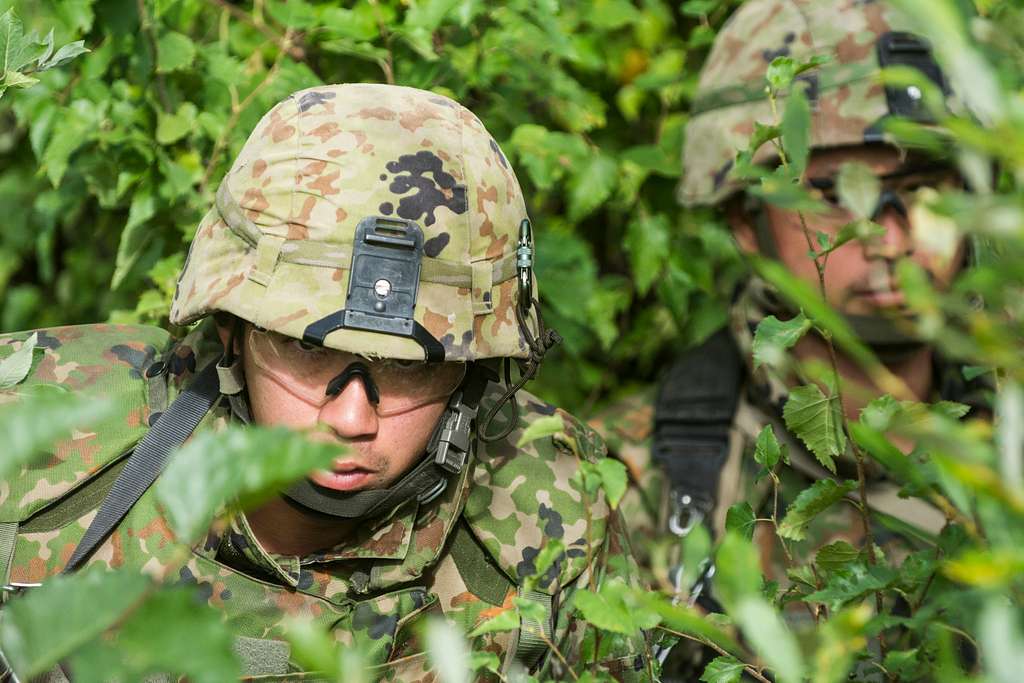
pixel 463 555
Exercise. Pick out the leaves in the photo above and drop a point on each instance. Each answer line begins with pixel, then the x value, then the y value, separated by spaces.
pixel 796 131
pixel 767 449
pixel 592 185
pixel 33 640
pixel 244 464
pixel 773 337
pixel 614 480
pixel 853 582
pixel 811 502
pixel 15 368
pixel 858 189
pixel 541 428
pixel 817 420
pixel 722 670
pixel 174 51
pixel 447 651
pixel 740 519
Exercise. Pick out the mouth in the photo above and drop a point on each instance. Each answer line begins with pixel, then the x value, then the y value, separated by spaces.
pixel 344 475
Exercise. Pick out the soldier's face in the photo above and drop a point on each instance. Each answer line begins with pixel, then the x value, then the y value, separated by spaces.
pixel 860 276
pixel 382 445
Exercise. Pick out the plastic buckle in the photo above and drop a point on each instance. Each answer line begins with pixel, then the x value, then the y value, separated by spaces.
pixel 453 443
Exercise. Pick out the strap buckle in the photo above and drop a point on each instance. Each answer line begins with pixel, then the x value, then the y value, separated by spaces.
pixel 687 512
pixel 453 441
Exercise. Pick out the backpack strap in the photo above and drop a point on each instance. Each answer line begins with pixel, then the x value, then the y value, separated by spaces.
pixel 147 461
pixel 693 415
pixel 486 581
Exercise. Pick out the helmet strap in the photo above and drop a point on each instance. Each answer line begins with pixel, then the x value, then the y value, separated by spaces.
pixel 539 346
pixel 231 375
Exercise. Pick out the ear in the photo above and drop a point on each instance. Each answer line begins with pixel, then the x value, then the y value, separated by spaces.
pixel 741 222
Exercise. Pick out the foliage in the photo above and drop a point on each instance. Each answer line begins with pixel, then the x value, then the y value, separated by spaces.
pixel 110 160
pixel 130 139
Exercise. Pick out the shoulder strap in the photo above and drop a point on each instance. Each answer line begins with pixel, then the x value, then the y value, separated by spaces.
pixel 486 581
pixel 147 461
pixel 693 413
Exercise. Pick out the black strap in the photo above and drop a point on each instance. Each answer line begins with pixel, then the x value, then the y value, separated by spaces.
pixel 693 413
pixel 147 461
pixel 317 331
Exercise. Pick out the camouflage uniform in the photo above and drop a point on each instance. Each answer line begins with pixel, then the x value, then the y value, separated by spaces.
pixel 848 104
pixel 276 250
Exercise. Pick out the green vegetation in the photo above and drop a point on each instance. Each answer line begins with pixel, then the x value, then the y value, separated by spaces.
pixel 114 156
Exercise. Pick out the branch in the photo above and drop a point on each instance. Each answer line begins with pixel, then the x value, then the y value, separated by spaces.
pixel 294 51
pixel 146 26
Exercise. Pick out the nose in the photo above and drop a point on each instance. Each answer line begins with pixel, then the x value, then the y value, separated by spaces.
pixel 895 241
pixel 350 414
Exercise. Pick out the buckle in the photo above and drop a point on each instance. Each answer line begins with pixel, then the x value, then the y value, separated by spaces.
pixel 434 492
pixel 687 512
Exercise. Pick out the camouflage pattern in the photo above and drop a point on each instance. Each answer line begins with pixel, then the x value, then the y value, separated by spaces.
pixel 276 249
pixel 372 591
pixel 847 99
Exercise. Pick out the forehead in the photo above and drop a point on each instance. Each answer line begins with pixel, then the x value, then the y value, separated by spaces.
pixel 882 159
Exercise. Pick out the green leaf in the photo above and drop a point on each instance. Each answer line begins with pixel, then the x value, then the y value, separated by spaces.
pixel 781 73
pixel 34 423
pixel 428 14
pixel 135 235
pixel 861 229
pixel 817 420
pixel 63 56
pixel 88 603
pixel 175 51
pixel 738 570
pixel 172 127
pixel 15 79
pixel 16 49
pixel 722 670
pixel 606 610
pixel 689 620
pixel 15 368
pixel 836 556
pixel 503 621
pixel 447 651
pixel 858 188
pixel 796 130
pixel 853 582
pixel 840 640
pixel 811 502
pixel 1002 640
pixel 248 464
pixel 614 480
pixel 740 519
pixel 770 638
pixel 170 633
pixel 774 336
pixel 541 428
pixel 592 185
pixel 767 449
pixel 647 242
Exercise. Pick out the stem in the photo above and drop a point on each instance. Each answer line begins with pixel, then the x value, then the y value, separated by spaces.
pixel 146 26
pixel 558 653
pixel 750 669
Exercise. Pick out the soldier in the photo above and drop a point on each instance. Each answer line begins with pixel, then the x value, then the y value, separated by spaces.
pixel 689 444
pixel 365 271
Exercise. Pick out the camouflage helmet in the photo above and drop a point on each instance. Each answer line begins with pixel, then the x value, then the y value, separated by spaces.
pixel 338 172
pixel 848 102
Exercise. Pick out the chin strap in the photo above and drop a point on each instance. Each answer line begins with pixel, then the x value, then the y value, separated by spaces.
pixel 539 346
pixel 231 376
pixel 446 455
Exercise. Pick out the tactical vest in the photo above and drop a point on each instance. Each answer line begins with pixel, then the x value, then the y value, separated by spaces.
pixel 464 555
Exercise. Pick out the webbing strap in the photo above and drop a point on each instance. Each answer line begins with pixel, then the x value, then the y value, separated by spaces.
pixel 694 411
pixel 534 636
pixel 147 462
pixel 8 535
